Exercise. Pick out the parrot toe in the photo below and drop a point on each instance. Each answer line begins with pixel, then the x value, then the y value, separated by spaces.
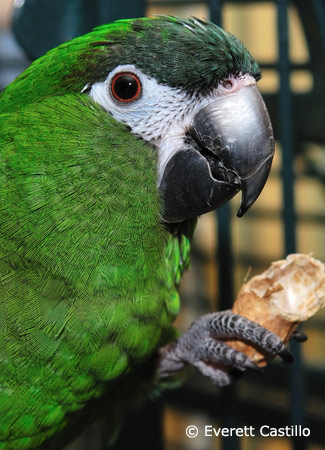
pixel 203 346
pixel 286 356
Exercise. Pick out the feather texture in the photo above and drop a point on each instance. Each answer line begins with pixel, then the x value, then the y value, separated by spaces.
pixel 87 272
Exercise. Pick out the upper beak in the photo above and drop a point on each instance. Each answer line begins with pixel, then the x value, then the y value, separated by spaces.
pixel 238 131
pixel 230 147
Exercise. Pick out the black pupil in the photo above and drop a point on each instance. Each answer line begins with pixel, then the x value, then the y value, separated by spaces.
pixel 126 87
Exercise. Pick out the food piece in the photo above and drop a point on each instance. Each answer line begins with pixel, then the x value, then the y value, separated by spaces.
pixel 287 293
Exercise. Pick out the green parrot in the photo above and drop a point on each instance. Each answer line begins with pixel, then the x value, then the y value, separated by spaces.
pixel 111 146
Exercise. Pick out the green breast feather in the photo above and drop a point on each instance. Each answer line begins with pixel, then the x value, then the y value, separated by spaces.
pixel 85 285
pixel 88 272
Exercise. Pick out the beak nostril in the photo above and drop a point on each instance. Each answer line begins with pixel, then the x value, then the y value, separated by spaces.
pixel 227 84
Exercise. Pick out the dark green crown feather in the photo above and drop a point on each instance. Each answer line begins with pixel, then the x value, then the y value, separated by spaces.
pixel 183 53
pixel 189 54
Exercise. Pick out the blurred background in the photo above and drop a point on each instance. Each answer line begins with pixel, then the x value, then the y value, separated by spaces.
pixel 288 40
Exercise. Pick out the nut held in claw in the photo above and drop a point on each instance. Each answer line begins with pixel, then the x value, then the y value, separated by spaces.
pixel 288 292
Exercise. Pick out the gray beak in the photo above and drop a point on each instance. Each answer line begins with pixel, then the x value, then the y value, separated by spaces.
pixel 238 131
pixel 230 147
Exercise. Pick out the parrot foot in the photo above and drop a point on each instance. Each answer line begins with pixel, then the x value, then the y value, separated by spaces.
pixel 202 346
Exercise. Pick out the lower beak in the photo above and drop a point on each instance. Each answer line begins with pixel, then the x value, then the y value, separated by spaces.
pixel 230 147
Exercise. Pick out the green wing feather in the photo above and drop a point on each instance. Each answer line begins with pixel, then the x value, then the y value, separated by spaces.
pixel 87 272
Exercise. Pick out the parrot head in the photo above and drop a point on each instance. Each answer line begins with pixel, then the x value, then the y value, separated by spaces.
pixel 186 87
pixel 189 89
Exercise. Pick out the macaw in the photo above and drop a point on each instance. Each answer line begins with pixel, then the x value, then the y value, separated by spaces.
pixel 112 145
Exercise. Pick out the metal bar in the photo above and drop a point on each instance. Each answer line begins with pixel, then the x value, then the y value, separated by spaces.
pixel 229 417
pixel 176 2
pixel 292 66
pixel 187 2
pixel 215 8
pixel 225 258
pixel 286 129
pixel 297 415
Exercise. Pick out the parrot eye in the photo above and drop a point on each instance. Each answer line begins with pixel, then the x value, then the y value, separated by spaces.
pixel 126 87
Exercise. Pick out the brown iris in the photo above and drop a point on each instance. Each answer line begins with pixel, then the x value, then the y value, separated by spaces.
pixel 126 87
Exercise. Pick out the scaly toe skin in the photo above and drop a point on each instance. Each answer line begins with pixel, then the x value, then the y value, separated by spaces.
pixel 203 347
pixel 226 325
pixel 219 352
pixel 219 376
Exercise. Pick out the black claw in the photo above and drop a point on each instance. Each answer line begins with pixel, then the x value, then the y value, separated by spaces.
pixel 286 356
pixel 299 336
pixel 249 365
pixel 236 374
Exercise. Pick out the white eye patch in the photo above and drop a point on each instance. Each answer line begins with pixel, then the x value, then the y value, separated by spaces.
pixel 152 113
pixel 160 115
